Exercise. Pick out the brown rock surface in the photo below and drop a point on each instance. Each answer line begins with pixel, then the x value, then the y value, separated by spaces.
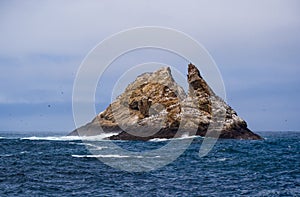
pixel 155 106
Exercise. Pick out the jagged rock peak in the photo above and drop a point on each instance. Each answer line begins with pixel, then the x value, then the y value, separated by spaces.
pixel 160 77
pixel 164 72
pixel 193 72
pixel 196 82
pixel 154 106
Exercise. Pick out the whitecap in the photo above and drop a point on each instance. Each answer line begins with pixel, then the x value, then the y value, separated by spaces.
pixel 222 159
pixel 94 147
pixel 113 156
pixel 91 146
pixel 184 136
pixel 72 138
pixel 158 140
pixel 6 155
pixel 76 143
pixel 103 156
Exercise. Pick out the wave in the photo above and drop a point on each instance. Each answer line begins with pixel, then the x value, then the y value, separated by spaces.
pixel 6 155
pixel 100 137
pixel 93 146
pixel 187 136
pixel 184 136
pixel 72 138
pixel 111 156
pixel 105 156
pixel 222 159
pixel 159 139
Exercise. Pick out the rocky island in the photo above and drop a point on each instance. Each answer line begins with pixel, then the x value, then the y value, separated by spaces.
pixel 155 106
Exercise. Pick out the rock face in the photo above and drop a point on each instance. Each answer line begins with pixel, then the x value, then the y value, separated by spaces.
pixel 155 106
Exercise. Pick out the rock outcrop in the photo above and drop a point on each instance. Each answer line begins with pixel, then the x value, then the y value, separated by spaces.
pixel 155 106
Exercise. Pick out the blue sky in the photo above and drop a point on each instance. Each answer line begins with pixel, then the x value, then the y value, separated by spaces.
pixel 255 44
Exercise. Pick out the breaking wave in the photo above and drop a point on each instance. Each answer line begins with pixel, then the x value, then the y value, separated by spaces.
pixel 111 156
pixel 71 138
pixel 184 136
pixel 104 156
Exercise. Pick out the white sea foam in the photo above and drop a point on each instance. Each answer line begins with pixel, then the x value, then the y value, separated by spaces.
pixel 94 147
pixel 103 156
pixel 72 138
pixel 184 136
pixel 76 143
pixel 159 139
pixel 88 144
pixel 6 155
pixel 187 137
pixel 111 156
pixel 91 146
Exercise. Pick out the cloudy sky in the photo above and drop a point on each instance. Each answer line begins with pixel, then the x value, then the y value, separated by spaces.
pixel 255 44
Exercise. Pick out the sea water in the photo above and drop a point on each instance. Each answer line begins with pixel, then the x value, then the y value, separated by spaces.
pixel 47 164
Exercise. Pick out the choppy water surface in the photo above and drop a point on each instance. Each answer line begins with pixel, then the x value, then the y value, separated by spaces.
pixel 33 165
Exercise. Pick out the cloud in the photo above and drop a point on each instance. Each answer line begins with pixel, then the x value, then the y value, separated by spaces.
pixel 255 44
pixel 73 27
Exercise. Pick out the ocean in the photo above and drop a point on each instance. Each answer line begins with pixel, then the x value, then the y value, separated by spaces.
pixel 48 164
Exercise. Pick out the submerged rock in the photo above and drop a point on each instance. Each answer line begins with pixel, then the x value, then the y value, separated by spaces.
pixel 155 106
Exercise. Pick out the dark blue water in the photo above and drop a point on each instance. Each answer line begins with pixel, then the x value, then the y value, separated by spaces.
pixel 61 167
